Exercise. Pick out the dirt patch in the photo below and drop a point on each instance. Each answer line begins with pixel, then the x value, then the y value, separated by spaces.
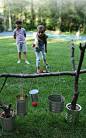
pixel 12 113
pixel 77 107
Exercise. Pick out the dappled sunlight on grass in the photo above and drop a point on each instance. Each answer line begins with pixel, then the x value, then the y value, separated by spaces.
pixel 5 37
pixel 29 38
pixel 13 44
pixel 58 41
pixel 78 42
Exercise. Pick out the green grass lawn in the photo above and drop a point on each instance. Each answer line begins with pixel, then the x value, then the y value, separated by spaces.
pixel 39 122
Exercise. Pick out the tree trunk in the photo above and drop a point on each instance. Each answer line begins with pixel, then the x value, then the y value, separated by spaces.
pixel 41 16
pixel 32 14
pixel 21 13
pixel 70 27
pixel 10 24
pixel 60 12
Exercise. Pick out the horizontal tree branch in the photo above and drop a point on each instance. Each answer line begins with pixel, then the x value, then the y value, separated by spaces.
pixel 71 73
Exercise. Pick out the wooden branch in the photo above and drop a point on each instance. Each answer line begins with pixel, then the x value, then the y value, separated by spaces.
pixel 71 73
pixel 3 84
pixel 39 75
pixel 76 92
pixel 6 75
pixel 72 55
pixel 34 75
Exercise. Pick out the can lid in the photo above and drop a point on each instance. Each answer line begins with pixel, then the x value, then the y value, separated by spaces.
pixel 34 91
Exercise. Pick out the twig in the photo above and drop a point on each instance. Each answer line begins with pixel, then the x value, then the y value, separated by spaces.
pixel 3 84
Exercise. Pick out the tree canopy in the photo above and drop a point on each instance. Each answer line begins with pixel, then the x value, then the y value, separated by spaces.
pixel 61 15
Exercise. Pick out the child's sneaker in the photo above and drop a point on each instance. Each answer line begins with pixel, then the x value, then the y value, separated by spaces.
pixel 47 65
pixel 27 62
pixel 38 71
pixel 19 61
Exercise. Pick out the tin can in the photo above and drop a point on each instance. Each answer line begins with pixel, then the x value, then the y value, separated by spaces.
pixel 56 103
pixel 72 116
pixel 8 124
pixel 34 95
pixel 22 103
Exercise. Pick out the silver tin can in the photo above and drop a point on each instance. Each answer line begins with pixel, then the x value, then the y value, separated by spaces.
pixel 72 116
pixel 34 95
pixel 56 103
pixel 22 104
pixel 8 124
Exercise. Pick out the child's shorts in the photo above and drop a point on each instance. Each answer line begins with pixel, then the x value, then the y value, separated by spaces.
pixel 22 47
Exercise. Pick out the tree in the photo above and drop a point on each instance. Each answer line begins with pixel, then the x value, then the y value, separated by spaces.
pixel 53 14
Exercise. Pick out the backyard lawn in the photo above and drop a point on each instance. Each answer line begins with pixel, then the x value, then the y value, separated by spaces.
pixel 39 122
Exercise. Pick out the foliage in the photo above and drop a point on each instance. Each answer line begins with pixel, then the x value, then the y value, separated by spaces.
pixel 47 12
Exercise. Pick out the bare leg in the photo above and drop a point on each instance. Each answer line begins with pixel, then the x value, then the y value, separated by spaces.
pixel 25 56
pixel 38 68
pixel 19 55
pixel 47 65
pixel 44 61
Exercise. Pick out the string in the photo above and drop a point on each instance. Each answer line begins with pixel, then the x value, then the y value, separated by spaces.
pixel 37 84
pixel 32 84
pixel 55 83
pixel 59 81
pixel 21 87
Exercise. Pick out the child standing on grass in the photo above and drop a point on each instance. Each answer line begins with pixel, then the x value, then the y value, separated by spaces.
pixel 40 45
pixel 20 34
pixel 77 35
